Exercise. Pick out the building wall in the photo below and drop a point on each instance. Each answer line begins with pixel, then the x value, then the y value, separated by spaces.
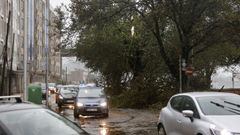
pixel 54 52
pixel 37 59
pixel 39 48
pixel 53 41
pixel 15 41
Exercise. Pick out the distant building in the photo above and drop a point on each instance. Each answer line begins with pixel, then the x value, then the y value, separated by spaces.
pixel 75 71
pixel 76 77
pixel 80 76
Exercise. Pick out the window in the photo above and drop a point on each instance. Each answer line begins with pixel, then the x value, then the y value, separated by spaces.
pixel 1 8
pixel 188 104
pixel 176 103
pixel 43 122
pixel 91 92
pixel 219 105
pixel 1 28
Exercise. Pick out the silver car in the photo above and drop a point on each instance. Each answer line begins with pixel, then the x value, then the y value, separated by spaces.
pixel 91 100
pixel 201 113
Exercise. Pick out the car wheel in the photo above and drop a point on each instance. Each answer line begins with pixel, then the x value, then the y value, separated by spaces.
pixel 76 115
pixel 161 130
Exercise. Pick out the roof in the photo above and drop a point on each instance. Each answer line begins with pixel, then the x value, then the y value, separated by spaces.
pixel 205 94
pixel 5 107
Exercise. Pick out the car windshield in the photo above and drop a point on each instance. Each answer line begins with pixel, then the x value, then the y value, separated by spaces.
pixel 91 92
pixel 51 85
pixel 38 122
pixel 68 91
pixel 220 105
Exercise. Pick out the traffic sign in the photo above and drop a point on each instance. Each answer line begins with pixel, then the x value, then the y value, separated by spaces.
pixel 189 71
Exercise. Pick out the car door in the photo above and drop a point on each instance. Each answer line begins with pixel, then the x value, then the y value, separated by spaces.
pixel 187 126
pixel 173 126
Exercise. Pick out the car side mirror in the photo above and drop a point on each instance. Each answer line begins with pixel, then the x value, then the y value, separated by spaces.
pixel 188 113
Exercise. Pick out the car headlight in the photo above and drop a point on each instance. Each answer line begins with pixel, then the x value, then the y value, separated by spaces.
pixel 79 104
pixel 216 131
pixel 103 104
pixel 60 97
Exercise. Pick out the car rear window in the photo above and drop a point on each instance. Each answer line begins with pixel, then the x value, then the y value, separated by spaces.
pixel 38 122
pixel 220 105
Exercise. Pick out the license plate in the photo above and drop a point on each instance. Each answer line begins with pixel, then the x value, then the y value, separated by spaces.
pixel 91 110
pixel 70 101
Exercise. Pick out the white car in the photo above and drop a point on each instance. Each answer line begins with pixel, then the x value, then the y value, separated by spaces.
pixel 201 113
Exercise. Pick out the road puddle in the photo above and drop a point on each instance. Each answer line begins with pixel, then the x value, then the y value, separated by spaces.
pixel 106 129
pixel 109 131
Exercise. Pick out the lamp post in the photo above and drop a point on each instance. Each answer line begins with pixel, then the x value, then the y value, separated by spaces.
pixel 46 20
pixel 25 96
pixel 180 74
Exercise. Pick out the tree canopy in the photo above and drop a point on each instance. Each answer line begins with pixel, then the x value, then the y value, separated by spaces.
pixel 136 44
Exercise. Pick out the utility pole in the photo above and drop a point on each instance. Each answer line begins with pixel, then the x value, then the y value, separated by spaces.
pixel 180 74
pixel 25 50
pixel 66 75
pixel 31 37
pixel 46 47
pixel 61 66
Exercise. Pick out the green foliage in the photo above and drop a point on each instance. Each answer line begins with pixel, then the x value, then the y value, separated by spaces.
pixel 141 69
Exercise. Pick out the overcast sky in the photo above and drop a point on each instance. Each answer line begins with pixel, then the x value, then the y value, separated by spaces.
pixel 55 3
pixel 69 62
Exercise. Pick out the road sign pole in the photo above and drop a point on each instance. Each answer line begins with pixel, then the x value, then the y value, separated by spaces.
pixel 180 74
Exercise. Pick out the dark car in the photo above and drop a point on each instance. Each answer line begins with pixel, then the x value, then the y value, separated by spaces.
pixel 51 89
pixel 91 101
pixel 23 118
pixel 65 96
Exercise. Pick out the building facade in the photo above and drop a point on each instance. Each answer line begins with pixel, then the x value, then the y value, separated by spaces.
pixel 35 16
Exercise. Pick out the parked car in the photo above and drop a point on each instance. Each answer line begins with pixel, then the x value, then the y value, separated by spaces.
pixel 65 96
pixel 201 113
pixel 91 100
pixel 23 118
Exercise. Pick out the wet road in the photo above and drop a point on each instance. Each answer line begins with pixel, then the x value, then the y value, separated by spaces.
pixel 119 122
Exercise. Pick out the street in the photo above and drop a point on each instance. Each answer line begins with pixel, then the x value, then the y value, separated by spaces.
pixel 119 122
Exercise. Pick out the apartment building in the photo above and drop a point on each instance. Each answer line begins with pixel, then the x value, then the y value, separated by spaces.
pixel 15 43
pixel 54 50
pixel 36 38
